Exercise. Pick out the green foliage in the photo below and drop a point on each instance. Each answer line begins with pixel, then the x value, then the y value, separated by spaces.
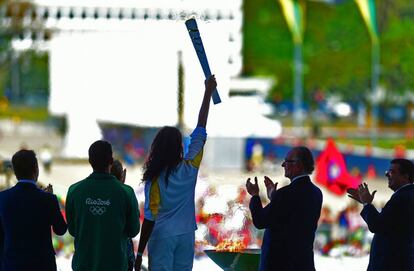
pixel 32 66
pixel 3 79
pixel 384 143
pixel 267 42
pixel 336 49
pixel 34 71
pixel 336 61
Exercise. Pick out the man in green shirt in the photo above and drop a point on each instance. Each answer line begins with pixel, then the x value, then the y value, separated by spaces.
pixel 102 213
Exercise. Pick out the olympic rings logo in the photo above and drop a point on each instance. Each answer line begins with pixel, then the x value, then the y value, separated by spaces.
pixel 97 210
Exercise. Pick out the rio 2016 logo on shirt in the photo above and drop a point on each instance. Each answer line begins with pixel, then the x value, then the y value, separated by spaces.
pixel 97 206
pixel 97 210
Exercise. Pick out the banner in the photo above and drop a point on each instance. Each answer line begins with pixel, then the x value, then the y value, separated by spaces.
pixel 368 12
pixel 331 170
pixel 293 10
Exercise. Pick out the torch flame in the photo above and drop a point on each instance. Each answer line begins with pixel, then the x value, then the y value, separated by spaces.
pixel 231 245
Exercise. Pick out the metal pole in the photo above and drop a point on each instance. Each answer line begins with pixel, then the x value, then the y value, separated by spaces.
pixel 298 87
pixel 375 69
pixel 15 77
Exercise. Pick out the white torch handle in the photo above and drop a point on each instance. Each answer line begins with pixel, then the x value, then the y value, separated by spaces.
pixel 192 28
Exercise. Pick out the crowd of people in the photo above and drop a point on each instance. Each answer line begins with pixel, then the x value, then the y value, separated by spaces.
pixel 129 144
pixel 343 234
pixel 102 212
pixel 340 234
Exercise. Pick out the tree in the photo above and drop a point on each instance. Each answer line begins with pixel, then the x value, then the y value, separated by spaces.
pixel 337 53
pixel 21 72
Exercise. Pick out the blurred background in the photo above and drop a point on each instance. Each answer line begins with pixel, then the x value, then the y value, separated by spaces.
pixel 334 75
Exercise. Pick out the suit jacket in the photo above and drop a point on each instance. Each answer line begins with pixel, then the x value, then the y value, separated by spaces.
pixel 393 245
pixel 290 220
pixel 26 216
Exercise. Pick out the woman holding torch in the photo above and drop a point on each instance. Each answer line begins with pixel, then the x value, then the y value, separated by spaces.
pixel 170 180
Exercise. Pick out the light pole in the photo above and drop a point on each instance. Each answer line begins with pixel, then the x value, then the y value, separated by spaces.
pixel 294 10
pixel 368 13
pixel 298 86
pixel 375 72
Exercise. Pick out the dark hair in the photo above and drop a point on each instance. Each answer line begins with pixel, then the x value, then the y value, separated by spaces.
pixel 100 155
pixel 24 164
pixel 304 155
pixel 116 169
pixel 165 154
pixel 406 167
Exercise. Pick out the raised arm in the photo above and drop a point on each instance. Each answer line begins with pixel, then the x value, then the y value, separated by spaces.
pixel 265 217
pixel 388 220
pixel 211 85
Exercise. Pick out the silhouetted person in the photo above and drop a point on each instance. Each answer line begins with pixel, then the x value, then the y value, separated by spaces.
pixel 102 213
pixel 120 173
pixel 392 247
pixel 26 215
pixel 170 180
pixel 291 217
pixel 47 158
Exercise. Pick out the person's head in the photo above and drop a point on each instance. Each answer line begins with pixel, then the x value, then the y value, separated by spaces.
pixel 401 172
pixel 100 156
pixel 166 153
pixel 25 165
pixel 117 170
pixel 298 161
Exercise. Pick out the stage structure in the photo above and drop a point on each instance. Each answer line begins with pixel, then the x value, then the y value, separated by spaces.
pixel 117 61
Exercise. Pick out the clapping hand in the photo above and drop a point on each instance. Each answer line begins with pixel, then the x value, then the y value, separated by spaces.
pixel 361 194
pixel 353 194
pixel 49 189
pixel 270 186
pixel 252 189
pixel 364 194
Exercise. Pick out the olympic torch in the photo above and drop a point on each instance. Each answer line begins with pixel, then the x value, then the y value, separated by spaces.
pixel 192 28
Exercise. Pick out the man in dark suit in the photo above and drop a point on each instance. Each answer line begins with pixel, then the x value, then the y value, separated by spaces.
pixel 291 217
pixel 26 215
pixel 393 245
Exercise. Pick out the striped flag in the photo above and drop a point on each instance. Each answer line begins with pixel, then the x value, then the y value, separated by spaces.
pixel 293 10
pixel 368 12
